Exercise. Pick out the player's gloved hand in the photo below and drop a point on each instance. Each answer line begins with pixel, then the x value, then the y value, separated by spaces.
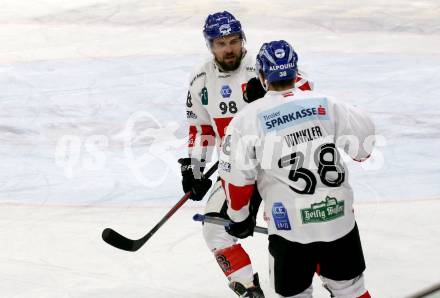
pixel 242 229
pixel 254 90
pixel 192 178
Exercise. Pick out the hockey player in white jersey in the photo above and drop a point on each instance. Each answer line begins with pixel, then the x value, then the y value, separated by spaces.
pixel 217 92
pixel 287 143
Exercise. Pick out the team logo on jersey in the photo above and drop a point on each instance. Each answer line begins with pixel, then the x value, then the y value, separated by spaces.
pixel 204 96
pixel 327 210
pixel 280 53
pixel 280 217
pixel 226 91
pixel 295 112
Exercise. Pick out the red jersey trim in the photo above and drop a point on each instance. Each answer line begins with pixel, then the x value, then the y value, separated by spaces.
pixel 192 136
pixel 232 259
pixel 222 124
pixel 239 196
pixel 208 136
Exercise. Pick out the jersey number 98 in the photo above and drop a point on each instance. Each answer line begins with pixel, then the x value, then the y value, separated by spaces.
pixel 231 106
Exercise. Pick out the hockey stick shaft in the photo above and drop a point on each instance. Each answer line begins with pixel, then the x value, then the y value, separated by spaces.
pixel 117 240
pixel 223 222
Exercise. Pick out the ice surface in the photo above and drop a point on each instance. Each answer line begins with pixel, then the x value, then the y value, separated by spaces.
pixel 55 251
pixel 82 81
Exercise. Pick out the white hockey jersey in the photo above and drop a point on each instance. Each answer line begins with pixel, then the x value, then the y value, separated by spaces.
pixel 287 143
pixel 214 98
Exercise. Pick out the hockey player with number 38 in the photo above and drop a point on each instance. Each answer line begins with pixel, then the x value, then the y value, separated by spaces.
pixel 287 143
pixel 217 92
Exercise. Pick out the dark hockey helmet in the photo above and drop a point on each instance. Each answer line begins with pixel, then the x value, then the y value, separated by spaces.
pixel 277 60
pixel 221 24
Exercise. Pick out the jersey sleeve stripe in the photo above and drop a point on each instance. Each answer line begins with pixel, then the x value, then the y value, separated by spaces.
pixel 238 196
pixel 207 136
pixel 192 135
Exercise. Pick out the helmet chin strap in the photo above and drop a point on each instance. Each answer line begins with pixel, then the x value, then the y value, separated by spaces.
pixel 264 82
pixel 266 85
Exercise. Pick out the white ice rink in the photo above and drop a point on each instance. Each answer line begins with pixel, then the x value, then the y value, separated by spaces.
pixel 92 121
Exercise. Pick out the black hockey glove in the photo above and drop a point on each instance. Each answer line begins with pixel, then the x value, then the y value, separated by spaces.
pixel 242 229
pixel 254 90
pixel 192 178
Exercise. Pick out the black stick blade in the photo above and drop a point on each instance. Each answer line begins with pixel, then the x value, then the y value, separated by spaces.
pixel 117 240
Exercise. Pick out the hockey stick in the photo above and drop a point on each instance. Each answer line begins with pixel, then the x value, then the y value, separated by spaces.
pixel 223 222
pixel 430 292
pixel 117 240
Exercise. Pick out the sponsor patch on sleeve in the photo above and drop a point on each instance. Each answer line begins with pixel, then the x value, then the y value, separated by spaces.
pixel 280 217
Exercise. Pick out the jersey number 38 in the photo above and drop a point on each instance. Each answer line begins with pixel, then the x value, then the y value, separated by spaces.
pixel 327 159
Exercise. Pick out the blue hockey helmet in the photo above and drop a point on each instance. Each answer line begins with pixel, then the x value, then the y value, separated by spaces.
pixel 277 60
pixel 221 24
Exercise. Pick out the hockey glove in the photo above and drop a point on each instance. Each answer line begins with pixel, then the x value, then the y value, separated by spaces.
pixel 192 178
pixel 254 90
pixel 242 229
